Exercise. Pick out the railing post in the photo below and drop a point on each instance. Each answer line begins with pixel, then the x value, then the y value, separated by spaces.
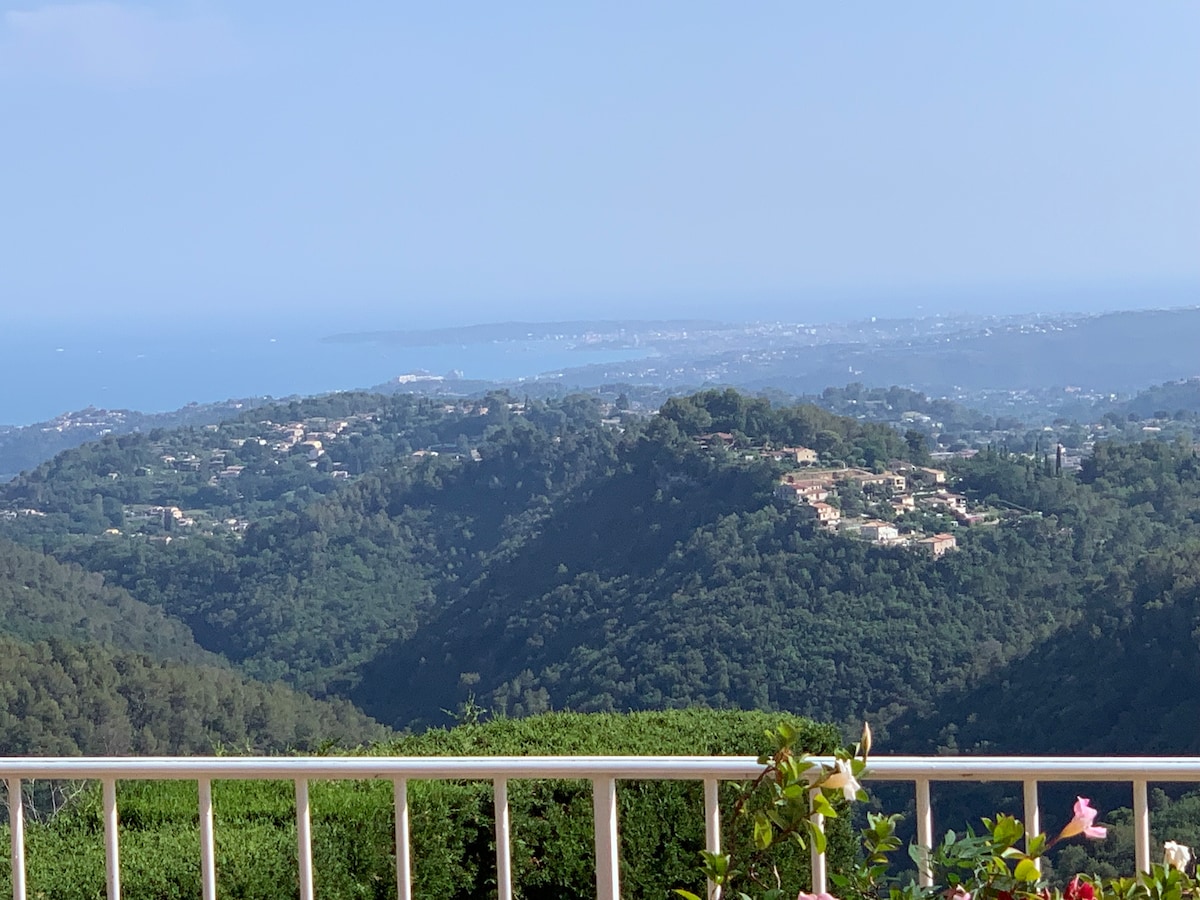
pixel 208 861
pixel 403 862
pixel 304 839
pixel 1141 826
pixel 503 848
pixel 819 877
pixel 604 806
pixel 924 831
pixel 16 831
pixel 1033 817
pixel 712 825
pixel 112 858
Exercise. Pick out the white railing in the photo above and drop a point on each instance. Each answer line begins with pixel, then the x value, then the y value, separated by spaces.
pixel 602 771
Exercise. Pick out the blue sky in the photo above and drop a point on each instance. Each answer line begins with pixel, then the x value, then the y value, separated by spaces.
pixel 417 164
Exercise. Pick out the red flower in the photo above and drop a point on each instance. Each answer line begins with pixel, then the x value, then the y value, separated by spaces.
pixel 1079 890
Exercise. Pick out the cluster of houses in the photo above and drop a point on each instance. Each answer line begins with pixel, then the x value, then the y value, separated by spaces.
pixel 167 516
pixel 25 511
pixel 903 488
pixel 309 437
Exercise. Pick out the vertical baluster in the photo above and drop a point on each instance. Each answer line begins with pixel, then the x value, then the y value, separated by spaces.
pixel 112 859
pixel 819 877
pixel 1033 816
pixel 712 825
pixel 924 829
pixel 503 848
pixel 304 839
pixel 604 807
pixel 403 860
pixel 208 859
pixel 16 830
pixel 1141 826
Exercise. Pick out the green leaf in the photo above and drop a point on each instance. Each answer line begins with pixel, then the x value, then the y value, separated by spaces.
pixel 793 769
pixel 821 804
pixel 1027 870
pixel 1035 845
pixel 763 833
pixel 716 865
pixel 818 836
pixel 687 895
pixel 1007 831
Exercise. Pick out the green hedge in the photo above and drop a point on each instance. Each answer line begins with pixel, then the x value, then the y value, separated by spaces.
pixel 452 822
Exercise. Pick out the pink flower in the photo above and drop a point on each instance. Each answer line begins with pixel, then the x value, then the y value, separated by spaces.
pixel 1082 823
pixel 960 893
pixel 804 896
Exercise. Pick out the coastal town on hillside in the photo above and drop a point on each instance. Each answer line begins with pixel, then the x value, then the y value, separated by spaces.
pixel 901 505
pixel 203 480
pixel 199 480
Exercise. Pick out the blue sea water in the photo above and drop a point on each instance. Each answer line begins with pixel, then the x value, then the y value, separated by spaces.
pixel 45 371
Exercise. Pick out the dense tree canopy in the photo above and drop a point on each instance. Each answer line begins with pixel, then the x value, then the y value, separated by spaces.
pixel 41 597
pixel 63 698
pixel 524 555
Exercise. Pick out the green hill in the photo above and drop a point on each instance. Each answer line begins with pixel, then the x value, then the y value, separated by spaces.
pixel 1121 677
pixel 1124 680
pixel 23 447
pixel 62 698
pixel 42 598
pixel 651 597
pixel 418 556
pixel 85 668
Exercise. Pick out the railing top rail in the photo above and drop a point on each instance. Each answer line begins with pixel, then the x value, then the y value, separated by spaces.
pixel 366 767
pixel 733 768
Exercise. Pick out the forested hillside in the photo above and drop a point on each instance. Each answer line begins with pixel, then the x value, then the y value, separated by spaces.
pixel 41 598
pixel 1124 677
pixel 308 591
pixel 26 446
pixel 86 668
pixel 514 556
pixel 64 698
pixel 743 609
pixel 1174 399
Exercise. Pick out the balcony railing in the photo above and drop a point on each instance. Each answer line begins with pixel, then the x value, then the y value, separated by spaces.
pixel 603 771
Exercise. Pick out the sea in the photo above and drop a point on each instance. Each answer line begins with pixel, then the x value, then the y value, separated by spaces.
pixel 155 367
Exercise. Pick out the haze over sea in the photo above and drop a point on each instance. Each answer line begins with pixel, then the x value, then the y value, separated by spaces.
pixel 153 364
pixel 152 367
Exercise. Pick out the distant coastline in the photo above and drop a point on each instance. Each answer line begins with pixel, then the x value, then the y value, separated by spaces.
pixel 590 331
pixel 157 368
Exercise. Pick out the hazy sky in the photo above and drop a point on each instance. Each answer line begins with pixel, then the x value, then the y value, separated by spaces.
pixel 462 162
